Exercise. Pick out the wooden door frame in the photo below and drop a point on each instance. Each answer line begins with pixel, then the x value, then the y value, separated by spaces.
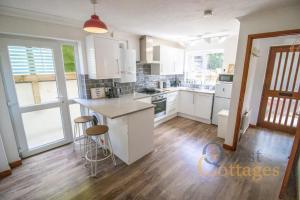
pixel 296 142
pixel 245 76
pixel 291 162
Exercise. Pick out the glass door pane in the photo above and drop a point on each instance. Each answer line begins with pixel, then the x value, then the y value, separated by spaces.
pixel 70 70
pixel 34 74
pixel 43 127
pixel 68 51
pixel 41 106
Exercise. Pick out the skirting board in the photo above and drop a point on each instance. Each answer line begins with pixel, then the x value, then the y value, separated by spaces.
pixel 252 126
pixel 167 118
pixel 5 174
pixel 206 121
pixel 228 147
pixel 15 164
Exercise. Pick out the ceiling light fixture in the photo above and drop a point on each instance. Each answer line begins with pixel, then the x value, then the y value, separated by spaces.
pixel 94 24
pixel 208 13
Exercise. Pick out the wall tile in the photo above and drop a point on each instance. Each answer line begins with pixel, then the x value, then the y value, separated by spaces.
pixel 144 80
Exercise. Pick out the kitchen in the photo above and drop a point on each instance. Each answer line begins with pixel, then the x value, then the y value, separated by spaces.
pixel 166 91
pixel 86 95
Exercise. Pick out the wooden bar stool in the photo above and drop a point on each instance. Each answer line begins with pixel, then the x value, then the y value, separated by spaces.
pixel 79 132
pixel 98 138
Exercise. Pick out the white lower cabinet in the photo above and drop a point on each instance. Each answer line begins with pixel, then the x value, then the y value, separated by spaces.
pixel 196 104
pixel 172 103
pixel 203 105
pixel 186 102
pixel 190 104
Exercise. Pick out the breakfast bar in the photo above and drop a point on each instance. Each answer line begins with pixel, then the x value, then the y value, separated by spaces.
pixel 130 123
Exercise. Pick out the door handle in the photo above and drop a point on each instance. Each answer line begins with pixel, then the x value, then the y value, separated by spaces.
pixel 193 98
pixel 10 103
pixel 117 60
pixel 286 94
pixel 61 98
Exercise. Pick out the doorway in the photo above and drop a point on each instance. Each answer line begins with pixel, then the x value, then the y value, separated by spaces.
pixel 279 108
pixel 40 84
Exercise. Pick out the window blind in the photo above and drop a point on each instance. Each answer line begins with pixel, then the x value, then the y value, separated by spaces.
pixel 31 60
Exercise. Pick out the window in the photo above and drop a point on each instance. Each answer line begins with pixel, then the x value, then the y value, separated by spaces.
pixel 203 67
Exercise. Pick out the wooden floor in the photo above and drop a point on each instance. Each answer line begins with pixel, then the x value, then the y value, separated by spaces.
pixel 171 171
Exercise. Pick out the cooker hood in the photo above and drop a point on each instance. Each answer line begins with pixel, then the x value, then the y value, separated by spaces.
pixel 146 49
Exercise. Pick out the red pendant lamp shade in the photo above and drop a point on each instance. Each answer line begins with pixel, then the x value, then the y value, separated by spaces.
pixel 95 25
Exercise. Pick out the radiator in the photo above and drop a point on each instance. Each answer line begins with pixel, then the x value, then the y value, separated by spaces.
pixel 245 122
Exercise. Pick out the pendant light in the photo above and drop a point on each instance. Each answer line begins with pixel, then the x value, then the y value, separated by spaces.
pixel 94 24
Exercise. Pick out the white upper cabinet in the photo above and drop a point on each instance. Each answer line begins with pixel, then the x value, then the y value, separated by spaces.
pixel 103 57
pixel 171 60
pixel 128 65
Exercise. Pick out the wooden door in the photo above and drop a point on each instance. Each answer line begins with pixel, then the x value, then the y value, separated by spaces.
pixel 280 107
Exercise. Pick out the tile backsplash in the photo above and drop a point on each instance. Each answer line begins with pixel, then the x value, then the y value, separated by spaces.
pixel 143 79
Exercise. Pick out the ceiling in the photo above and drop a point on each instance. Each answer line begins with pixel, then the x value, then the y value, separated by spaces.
pixel 172 19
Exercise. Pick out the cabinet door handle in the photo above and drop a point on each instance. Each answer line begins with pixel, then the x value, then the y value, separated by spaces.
pixel 117 60
pixel 193 98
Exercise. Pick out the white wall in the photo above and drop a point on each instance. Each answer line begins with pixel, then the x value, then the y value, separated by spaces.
pixel 284 18
pixel 229 46
pixel 257 72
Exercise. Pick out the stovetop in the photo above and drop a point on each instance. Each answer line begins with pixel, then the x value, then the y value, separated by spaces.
pixel 148 91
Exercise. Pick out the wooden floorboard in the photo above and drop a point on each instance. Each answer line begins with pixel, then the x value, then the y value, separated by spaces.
pixel 171 171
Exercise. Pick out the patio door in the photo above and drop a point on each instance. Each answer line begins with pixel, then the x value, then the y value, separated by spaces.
pixel 280 105
pixel 36 90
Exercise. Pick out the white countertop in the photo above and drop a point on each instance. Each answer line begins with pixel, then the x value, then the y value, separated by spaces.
pixel 172 89
pixel 127 104
pixel 115 107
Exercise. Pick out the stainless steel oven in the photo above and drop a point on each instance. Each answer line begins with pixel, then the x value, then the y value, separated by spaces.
pixel 160 103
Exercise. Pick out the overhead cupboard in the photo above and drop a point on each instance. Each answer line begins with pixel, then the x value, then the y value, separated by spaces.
pixel 168 60
pixel 106 59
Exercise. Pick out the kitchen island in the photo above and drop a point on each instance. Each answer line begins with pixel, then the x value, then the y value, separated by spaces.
pixel 130 123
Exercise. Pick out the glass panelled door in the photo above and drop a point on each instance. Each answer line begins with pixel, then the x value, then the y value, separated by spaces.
pixel 37 94
pixel 280 106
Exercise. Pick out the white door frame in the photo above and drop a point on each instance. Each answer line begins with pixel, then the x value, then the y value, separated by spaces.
pixel 12 100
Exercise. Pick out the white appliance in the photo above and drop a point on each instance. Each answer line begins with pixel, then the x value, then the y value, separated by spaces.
pixel 222 123
pixel 222 99
pixel 128 65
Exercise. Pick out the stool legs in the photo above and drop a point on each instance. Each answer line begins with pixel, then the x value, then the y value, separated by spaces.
pixel 111 150
pixel 78 136
pixel 91 155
